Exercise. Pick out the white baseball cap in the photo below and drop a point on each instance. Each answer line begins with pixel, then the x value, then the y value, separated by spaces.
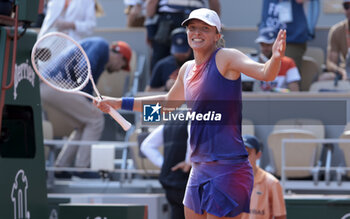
pixel 206 15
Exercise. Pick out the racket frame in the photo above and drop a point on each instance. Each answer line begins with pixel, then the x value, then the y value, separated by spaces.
pixel 81 86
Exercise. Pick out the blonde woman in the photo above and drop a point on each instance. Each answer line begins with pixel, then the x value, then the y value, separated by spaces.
pixel 221 178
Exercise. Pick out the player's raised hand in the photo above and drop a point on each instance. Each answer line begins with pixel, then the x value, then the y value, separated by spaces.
pixel 279 46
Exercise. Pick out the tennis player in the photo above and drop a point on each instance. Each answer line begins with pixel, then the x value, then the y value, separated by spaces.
pixel 221 179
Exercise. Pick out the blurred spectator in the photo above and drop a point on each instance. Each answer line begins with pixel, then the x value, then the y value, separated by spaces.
pixel 163 16
pixel 40 19
pixel 99 12
pixel 338 47
pixel 135 12
pixel 165 72
pixel 173 135
pixel 313 12
pixel 75 18
pixel 267 199
pixel 290 15
pixel 288 76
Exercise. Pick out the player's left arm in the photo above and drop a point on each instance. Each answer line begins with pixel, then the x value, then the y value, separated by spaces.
pixel 272 67
pixel 236 61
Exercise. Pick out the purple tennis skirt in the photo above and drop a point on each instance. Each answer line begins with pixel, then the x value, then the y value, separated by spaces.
pixel 221 188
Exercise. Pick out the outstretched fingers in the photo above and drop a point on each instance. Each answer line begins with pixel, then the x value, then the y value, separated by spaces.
pixel 282 40
pixel 280 44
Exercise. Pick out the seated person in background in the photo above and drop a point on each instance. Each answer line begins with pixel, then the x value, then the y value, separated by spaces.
pixel 174 171
pixel 165 71
pixel 288 76
pixel 338 44
pixel 267 199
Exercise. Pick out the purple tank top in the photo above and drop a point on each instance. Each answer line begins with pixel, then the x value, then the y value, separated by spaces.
pixel 206 90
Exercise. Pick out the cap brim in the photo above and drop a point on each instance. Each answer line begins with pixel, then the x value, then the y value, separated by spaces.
pixel 249 145
pixel 264 40
pixel 179 49
pixel 185 22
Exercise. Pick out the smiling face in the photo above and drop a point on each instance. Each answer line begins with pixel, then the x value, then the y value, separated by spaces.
pixel 201 35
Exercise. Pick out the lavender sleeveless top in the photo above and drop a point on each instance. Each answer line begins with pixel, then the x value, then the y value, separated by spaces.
pixel 211 92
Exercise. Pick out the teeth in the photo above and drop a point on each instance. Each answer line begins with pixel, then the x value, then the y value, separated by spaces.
pixel 197 40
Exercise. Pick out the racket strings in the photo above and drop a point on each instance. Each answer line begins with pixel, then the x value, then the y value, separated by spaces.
pixel 61 63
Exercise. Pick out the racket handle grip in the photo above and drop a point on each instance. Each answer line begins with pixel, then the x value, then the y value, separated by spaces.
pixel 119 119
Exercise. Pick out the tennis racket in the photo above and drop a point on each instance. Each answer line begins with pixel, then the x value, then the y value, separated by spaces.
pixel 62 63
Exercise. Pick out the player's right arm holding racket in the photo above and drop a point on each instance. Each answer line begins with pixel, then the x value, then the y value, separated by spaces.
pixel 174 98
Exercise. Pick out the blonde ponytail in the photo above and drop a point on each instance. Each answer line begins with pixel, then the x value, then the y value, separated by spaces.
pixel 221 42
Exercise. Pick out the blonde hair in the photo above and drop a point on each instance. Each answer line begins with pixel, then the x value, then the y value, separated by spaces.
pixel 221 42
pixel 99 12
